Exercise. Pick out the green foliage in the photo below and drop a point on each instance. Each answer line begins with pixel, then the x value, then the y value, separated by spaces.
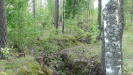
pixel 55 42
pixel 3 73
pixel 26 33
pixel 20 66
pixel 24 30
pixel 21 25
pixel 6 51
pixel 73 7
pixel 30 68
pixel 128 7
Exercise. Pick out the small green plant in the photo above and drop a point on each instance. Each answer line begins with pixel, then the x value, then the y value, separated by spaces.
pixel 6 51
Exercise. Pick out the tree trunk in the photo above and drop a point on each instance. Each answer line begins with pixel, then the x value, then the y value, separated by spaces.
pixel 132 13
pixel 56 17
pixel 74 8
pixel 99 18
pixel 34 8
pixel 3 31
pixel 112 41
pixel 63 15
pixel 99 13
pixel 87 6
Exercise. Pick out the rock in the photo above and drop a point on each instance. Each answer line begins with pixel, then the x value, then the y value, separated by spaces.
pixel 78 60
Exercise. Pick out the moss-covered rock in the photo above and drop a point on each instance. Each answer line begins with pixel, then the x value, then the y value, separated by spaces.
pixel 79 60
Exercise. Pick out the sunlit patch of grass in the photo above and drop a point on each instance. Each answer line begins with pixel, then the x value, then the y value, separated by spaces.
pixel 127 51
pixel 10 67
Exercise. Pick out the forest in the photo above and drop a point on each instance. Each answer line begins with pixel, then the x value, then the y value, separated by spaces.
pixel 66 37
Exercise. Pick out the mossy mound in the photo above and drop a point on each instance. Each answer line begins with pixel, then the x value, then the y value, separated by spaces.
pixel 79 60
pixel 57 42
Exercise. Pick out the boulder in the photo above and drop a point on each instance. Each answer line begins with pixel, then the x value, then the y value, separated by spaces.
pixel 79 60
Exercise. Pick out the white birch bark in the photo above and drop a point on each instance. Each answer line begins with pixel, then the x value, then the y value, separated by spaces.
pixel 113 29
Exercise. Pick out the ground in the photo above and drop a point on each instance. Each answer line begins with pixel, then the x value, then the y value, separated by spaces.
pixel 11 67
pixel 127 51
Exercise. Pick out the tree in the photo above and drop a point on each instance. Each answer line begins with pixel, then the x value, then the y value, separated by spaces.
pixel 112 38
pixel 99 13
pixel 56 16
pixel 3 31
pixel 73 7
pixel 87 6
pixel 34 8
pixel 132 13
pixel 63 11
pixel 99 17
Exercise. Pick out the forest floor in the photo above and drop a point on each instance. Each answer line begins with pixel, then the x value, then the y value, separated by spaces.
pixel 127 51
pixel 9 67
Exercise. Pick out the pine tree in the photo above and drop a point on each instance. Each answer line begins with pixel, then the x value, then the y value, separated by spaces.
pixel 56 17
pixel 63 15
pixel 3 31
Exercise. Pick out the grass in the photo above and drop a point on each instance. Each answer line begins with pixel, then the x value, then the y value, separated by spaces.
pixel 16 66
pixel 127 51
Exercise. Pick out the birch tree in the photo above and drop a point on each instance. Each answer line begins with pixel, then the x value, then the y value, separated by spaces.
pixel 112 41
pixel 34 8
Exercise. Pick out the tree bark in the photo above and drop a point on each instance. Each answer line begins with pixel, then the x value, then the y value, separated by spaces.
pixel 99 13
pixel 3 31
pixel 87 6
pixel 56 17
pixel 132 13
pixel 112 41
pixel 34 8
pixel 74 8
pixel 99 18
pixel 63 15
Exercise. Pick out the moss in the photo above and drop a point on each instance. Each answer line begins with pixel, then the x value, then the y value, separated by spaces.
pixel 3 73
pixel 57 42
pixel 21 66
pixel 47 71
pixel 29 67
pixel 54 44
pixel 77 60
